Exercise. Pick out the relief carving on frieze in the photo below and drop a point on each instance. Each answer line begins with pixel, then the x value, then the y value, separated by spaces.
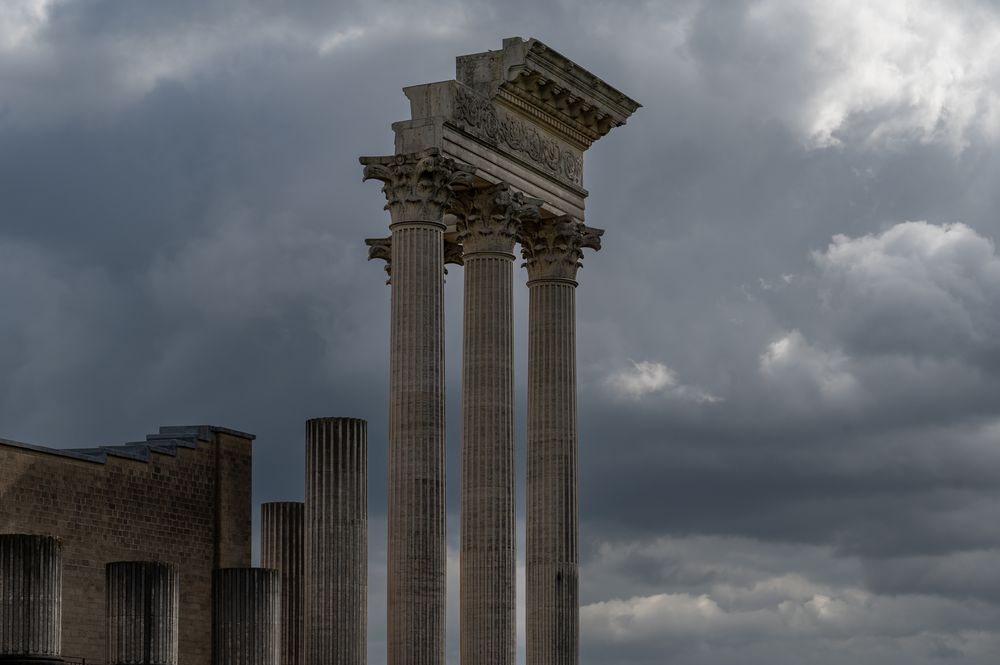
pixel 480 117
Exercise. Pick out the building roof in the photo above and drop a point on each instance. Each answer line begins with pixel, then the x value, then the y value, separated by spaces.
pixel 165 442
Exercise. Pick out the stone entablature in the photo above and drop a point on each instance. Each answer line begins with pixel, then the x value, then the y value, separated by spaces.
pixel 539 81
pixel 523 115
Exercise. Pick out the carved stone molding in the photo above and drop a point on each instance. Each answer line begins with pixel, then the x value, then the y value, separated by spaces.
pixel 418 186
pixel 479 116
pixel 553 248
pixel 489 217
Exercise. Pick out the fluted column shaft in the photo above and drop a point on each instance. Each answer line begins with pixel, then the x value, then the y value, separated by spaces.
pixel 488 555
pixel 417 187
pixel 552 250
pixel 552 533
pixel 488 218
pixel 416 508
pixel 30 599
pixel 246 616
pixel 142 603
pixel 336 541
pixel 282 548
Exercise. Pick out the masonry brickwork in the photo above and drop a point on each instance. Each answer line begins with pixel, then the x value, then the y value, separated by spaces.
pixel 182 497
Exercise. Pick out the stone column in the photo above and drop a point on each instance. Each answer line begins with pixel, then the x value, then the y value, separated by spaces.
pixel 282 548
pixel 246 616
pixel 30 600
pixel 418 188
pixel 142 601
pixel 488 219
pixel 552 250
pixel 336 541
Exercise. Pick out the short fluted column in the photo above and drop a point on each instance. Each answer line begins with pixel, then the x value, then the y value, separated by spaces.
pixel 30 599
pixel 488 219
pixel 282 548
pixel 246 616
pixel 418 188
pixel 336 530
pixel 142 601
pixel 552 251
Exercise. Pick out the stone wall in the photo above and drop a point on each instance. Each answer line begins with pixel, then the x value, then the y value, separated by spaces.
pixel 181 496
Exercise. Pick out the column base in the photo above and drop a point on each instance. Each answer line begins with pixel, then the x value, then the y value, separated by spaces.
pixel 20 659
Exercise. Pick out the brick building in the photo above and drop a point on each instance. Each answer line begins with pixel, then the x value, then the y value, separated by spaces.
pixel 181 496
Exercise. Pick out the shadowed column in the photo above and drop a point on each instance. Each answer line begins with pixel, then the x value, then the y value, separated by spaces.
pixel 488 219
pixel 30 600
pixel 552 250
pixel 246 616
pixel 282 548
pixel 336 541
pixel 418 188
pixel 142 600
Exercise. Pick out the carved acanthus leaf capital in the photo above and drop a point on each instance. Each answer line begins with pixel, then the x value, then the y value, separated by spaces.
pixel 489 217
pixel 381 249
pixel 453 253
pixel 553 248
pixel 418 186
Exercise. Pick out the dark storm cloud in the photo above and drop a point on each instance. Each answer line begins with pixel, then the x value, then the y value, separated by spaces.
pixel 788 430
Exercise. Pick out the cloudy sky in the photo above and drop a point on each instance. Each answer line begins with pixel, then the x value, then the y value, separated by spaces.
pixel 789 346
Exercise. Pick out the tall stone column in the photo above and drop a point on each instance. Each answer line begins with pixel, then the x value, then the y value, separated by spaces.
pixel 336 541
pixel 418 188
pixel 282 548
pixel 30 600
pixel 142 602
pixel 552 250
pixel 246 616
pixel 488 219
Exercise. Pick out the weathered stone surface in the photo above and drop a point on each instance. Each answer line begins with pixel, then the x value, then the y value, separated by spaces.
pixel 419 188
pixel 336 541
pixel 488 220
pixel 549 87
pixel 552 251
pixel 282 548
pixel 553 248
pixel 143 601
pixel 181 496
pixel 30 599
pixel 501 144
pixel 520 119
pixel 523 115
pixel 246 616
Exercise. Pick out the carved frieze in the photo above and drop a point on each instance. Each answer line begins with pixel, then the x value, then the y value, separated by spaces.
pixel 553 248
pixel 418 186
pixel 480 117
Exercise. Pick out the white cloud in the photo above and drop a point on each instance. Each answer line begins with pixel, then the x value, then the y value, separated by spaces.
pixel 21 20
pixel 916 288
pixel 651 378
pixel 896 69
pixel 718 596
pixel 794 364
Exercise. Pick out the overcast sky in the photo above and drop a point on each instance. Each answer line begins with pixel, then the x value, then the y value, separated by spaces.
pixel 789 347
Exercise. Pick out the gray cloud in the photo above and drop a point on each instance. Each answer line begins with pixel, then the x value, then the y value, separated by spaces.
pixel 788 429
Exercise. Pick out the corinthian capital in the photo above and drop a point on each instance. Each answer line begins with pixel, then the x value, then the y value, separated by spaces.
pixel 489 217
pixel 418 186
pixel 553 248
pixel 381 249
